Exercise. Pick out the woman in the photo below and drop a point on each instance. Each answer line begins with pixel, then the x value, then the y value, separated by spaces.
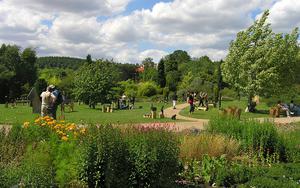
pixel 47 100
pixel 191 102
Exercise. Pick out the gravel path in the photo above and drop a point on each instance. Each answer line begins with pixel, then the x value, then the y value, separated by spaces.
pixel 200 123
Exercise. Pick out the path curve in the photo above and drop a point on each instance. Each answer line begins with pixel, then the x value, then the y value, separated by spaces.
pixel 199 123
pixel 188 123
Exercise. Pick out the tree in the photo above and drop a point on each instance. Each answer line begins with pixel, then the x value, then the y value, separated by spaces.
pixel 29 66
pixel 148 63
pixel 18 71
pixel 93 82
pixel 89 59
pixel 150 72
pixel 161 77
pixel 261 62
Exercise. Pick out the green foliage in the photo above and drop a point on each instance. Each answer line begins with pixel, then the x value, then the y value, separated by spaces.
pixel 154 157
pixel 129 88
pixel 279 175
pixel 37 169
pixel 40 85
pixel 172 80
pixel 67 162
pixel 60 62
pixel 106 158
pixel 18 71
pixel 147 89
pixel 161 77
pixel 260 58
pixel 93 82
pixel 253 135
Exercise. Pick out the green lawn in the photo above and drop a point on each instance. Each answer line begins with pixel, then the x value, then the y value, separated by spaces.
pixel 83 114
pixel 214 112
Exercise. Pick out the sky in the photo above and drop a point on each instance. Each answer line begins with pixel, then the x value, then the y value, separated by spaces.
pixel 128 31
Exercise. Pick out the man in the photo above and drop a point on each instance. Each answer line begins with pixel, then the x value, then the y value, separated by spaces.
pixel 47 101
pixel 56 101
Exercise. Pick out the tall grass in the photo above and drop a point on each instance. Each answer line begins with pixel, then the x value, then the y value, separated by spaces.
pixel 194 147
pixel 253 135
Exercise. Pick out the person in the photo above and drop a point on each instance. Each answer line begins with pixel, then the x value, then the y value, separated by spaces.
pixel 206 101
pixel 191 102
pixel 56 101
pixel 47 101
pixel 284 107
pixel 294 109
pixel 174 100
pixel 201 97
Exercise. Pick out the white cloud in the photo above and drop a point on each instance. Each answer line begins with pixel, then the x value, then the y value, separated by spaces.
pixel 79 7
pixel 200 27
pixel 156 55
pixel 284 15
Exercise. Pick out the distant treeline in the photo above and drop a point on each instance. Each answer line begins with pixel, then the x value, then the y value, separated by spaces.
pixel 60 62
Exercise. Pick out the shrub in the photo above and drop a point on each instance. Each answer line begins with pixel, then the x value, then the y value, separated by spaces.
pixel 105 160
pixel 154 156
pixel 37 169
pixel 147 89
pixel 67 156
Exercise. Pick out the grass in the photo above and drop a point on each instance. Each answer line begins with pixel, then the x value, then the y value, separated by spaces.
pixel 83 114
pixel 263 110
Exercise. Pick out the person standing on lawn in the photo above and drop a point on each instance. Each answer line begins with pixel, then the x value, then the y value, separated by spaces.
pixel 174 98
pixel 58 99
pixel 191 102
pixel 47 102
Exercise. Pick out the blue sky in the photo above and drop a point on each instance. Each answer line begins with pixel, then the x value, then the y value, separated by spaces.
pixel 142 4
pixel 131 30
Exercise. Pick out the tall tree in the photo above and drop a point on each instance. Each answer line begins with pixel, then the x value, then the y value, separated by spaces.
pixel 261 62
pixel 89 58
pixel 94 82
pixel 161 78
pixel 150 72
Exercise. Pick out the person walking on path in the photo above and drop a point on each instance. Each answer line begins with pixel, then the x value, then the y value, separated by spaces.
pixel 47 102
pixel 174 98
pixel 191 102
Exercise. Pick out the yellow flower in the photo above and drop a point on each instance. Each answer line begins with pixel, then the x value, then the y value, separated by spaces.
pixel 82 130
pixel 64 138
pixel 26 124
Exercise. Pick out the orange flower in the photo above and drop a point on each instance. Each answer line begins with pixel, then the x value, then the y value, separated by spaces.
pixel 64 138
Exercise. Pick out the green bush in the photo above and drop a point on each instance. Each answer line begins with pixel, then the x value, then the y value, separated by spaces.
pixel 154 157
pixel 37 169
pixel 147 89
pixel 105 160
pixel 67 158
pixel 291 141
pixel 278 175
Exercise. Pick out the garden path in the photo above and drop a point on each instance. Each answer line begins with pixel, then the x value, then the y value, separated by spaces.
pixel 199 123
pixel 188 123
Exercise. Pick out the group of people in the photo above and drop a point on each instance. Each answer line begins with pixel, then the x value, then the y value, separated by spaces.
pixel 51 98
pixel 290 109
pixel 203 100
